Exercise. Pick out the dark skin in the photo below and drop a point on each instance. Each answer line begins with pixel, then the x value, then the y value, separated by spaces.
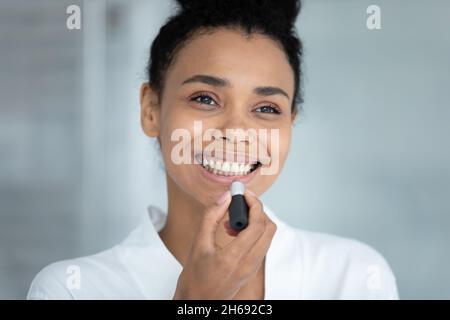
pixel 219 263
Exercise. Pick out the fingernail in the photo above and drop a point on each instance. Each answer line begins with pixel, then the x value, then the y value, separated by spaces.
pixel 223 197
pixel 249 191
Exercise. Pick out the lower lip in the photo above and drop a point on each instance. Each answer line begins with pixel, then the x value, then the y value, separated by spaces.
pixel 226 180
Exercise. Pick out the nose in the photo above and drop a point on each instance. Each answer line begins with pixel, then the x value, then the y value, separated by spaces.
pixel 235 127
pixel 238 135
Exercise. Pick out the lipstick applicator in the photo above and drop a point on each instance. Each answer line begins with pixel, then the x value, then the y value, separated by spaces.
pixel 238 210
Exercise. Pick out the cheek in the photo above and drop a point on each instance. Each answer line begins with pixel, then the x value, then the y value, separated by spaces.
pixel 285 144
pixel 279 148
pixel 279 136
pixel 177 141
pixel 169 127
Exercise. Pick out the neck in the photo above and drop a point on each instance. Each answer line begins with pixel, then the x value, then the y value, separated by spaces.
pixel 184 216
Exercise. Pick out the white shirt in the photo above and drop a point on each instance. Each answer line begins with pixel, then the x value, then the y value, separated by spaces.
pixel 300 264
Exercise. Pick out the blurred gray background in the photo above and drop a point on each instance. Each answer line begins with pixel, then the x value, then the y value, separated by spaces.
pixel 370 157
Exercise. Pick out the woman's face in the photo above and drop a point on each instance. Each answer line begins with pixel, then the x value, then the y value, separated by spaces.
pixel 225 99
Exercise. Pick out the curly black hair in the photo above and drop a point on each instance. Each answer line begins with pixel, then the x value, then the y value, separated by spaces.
pixel 273 18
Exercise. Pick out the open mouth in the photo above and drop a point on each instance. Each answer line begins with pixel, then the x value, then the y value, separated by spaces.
pixel 227 168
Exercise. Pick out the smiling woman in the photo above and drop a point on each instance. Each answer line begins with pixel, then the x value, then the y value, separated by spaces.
pixel 229 65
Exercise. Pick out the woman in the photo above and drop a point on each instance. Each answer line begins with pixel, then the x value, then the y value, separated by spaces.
pixel 222 65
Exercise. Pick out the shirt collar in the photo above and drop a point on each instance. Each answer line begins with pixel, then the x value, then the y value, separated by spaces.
pixel 282 268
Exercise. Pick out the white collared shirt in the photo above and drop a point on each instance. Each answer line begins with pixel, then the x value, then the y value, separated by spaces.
pixel 300 264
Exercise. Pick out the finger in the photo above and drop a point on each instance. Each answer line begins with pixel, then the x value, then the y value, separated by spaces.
pixel 252 261
pixel 255 206
pixel 210 222
pixel 230 231
pixel 257 253
pixel 256 227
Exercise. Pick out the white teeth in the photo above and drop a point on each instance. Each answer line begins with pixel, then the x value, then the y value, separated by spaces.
pixel 218 165
pixel 226 168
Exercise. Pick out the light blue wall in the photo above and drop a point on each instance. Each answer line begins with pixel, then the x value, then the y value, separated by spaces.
pixel 370 156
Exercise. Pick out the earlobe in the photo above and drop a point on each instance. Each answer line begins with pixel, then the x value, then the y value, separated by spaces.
pixel 294 116
pixel 149 110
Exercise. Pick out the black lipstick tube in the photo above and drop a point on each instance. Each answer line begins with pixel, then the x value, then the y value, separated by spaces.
pixel 238 210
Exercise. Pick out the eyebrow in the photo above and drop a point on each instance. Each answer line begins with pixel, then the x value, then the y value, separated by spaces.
pixel 221 82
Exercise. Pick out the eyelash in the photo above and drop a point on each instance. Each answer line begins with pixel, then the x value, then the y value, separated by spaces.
pixel 201 95
pixel 275 109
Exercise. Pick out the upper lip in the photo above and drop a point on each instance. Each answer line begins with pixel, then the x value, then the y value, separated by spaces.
pixel 228 156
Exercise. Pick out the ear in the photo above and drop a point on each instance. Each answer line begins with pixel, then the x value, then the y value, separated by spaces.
pixel 294 116
pixel 149 111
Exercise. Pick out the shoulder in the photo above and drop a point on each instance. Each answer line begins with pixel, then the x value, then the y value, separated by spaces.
pixel 343 268
pixel 109 274
pixel 80 278
pixel 69 279
pixel 50 283
pixel 121 272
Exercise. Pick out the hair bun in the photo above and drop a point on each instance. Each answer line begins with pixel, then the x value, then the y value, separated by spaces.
pixel 186 4
pixel 287 10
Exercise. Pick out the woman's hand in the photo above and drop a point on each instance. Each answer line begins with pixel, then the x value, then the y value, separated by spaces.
pixel 218 273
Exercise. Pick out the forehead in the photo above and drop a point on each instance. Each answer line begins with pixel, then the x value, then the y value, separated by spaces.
pixel 246 61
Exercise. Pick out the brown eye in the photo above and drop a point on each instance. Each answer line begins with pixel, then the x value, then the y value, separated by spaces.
pixel 204 99
pixel 268 109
